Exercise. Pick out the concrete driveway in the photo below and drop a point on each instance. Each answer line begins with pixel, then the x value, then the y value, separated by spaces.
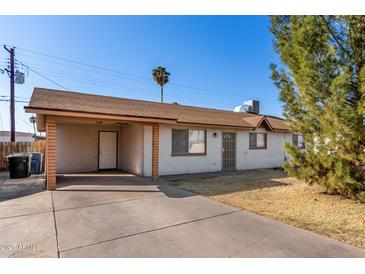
pixel 121 216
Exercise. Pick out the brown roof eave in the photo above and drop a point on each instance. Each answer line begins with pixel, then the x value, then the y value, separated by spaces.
pixel 96 115
pixel 62 112
pixel 215 125
pixel 281 130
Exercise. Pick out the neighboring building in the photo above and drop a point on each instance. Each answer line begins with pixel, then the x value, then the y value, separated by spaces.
pixel 88 133
pixel 19 136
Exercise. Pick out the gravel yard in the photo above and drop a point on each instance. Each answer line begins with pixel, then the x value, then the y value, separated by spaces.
pixel 271 193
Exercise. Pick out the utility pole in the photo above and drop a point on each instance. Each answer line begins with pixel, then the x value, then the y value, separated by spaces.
pixel 12 94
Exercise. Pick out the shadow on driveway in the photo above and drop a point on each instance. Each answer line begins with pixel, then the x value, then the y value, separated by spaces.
pixel 99 182
pixel 15 188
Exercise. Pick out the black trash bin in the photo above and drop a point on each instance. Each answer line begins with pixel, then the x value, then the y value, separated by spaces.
pixel 36 165
pixel 19 165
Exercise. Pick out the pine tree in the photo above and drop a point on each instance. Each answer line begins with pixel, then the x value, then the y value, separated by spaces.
pixel 322 85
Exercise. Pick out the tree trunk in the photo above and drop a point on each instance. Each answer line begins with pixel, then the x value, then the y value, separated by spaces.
pixel 161 93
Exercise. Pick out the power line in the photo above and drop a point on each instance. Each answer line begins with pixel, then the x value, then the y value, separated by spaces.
pixel 141 77
pixel 7 96
pixel 117 75
pixel 84 78
pixel 69 76
pixel 119 88
pixel 16 101
pixel 67 73
pixel 95 83
pixel 102 83
pixel 45 77
pixel 82 63
pixel 122 89
pixel 111 85
pixel 16 114
pixel 25 122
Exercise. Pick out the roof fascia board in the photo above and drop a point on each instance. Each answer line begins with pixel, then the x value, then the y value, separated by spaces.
pixel 116 118
pixel 214 126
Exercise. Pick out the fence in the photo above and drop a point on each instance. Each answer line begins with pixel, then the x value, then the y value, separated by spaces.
pixel 7 148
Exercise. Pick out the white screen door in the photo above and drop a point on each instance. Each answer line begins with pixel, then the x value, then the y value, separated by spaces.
pixel 107 149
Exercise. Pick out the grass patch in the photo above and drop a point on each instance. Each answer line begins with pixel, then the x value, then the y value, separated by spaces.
pixel 271 193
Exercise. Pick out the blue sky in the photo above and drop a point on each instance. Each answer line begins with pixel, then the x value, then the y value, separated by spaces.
pixel 214 61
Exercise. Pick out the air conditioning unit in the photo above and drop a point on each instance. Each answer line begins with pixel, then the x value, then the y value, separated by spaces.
pixel 251 106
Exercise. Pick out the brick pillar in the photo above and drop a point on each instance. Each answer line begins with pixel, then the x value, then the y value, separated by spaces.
pixel 155 150
pixel 51 153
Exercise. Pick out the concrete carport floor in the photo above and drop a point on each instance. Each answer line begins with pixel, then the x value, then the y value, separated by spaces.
pixel 129 216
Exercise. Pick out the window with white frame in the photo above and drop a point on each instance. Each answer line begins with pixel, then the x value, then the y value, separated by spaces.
pixel 298 140
pixel 188 142
pixel 258 140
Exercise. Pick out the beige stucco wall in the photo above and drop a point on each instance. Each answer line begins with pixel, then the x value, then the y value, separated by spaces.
pixel 77 150
pixel 271 157
pixel 77 147
pixel 131 148
pixel 189 164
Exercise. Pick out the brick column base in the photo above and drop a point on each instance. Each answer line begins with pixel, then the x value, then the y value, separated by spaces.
pixel 51 154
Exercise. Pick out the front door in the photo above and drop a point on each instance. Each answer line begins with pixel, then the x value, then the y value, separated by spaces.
pixel 229 151
pixel 108 146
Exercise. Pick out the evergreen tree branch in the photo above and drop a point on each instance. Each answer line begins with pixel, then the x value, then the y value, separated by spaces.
pixel 334 36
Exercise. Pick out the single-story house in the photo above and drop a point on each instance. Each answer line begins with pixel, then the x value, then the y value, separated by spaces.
pixel 86 133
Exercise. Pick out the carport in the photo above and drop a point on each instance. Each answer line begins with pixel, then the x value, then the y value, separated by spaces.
pixel 90 144
pixel 80 141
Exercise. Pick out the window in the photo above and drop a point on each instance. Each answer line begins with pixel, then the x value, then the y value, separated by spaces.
pixel 298 141
pixel 188 142
pixel 258 140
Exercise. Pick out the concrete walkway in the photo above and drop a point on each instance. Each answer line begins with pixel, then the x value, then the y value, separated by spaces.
pixel 122 216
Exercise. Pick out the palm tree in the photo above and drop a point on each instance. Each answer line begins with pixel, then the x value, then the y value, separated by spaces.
pixel 33 121
pixel 161 76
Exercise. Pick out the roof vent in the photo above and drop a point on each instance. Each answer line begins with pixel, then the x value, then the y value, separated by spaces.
pixel 251 106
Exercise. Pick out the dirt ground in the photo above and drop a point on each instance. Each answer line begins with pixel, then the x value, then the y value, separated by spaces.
pixel 271 193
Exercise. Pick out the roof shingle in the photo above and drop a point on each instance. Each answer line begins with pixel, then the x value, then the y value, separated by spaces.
pixel 96 104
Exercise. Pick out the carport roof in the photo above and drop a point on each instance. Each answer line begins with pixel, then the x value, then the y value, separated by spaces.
pixel 57 100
